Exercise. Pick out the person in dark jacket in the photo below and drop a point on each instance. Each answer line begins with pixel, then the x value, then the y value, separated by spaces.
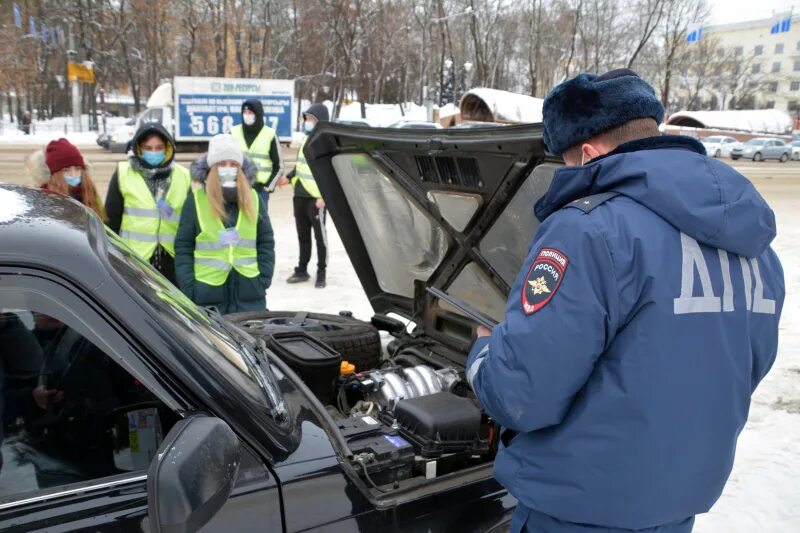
pixel 225 249
pixel 146 195
pixel 643 318
pixel 309 207
pixel 260 144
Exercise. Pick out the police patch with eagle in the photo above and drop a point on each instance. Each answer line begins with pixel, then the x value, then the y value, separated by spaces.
pixel 543 279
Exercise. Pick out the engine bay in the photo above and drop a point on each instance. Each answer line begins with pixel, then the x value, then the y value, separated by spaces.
pixel 406 422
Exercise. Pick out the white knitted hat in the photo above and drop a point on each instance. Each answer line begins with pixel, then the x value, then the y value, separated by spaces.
pixel 223 147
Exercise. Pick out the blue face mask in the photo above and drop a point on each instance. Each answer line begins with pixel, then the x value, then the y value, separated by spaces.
pixel 72 181
pixel 308 127
pixel 153 158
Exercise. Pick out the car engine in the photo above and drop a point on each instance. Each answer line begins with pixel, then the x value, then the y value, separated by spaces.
pixel 406 422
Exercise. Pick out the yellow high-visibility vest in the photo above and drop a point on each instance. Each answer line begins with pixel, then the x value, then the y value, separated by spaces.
pixel 214 253
pixel 146 224
pixel 302 173
pixel 258 152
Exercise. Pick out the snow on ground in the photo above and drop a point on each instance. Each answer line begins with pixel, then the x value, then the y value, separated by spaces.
pixel 763 493
pixel 44 131
pixel 384 114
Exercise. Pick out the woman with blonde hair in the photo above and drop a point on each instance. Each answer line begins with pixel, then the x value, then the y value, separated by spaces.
pixel 60 167
pixel 225 249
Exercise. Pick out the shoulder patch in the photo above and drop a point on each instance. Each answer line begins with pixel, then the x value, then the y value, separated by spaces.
pixel 588 203
pixel 543 279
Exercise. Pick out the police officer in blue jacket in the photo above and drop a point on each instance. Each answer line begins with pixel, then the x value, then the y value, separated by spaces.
pixel 643 319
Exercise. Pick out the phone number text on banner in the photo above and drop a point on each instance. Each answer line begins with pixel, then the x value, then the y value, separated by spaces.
pixel 206 115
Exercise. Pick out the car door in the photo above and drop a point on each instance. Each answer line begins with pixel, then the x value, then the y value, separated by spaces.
pixel 727 145
pixel 773 150
pixel 83 415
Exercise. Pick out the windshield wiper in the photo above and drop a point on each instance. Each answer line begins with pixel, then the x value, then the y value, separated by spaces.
pixel 259 366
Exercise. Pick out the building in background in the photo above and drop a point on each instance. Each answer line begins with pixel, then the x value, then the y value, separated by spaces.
pixel 746 65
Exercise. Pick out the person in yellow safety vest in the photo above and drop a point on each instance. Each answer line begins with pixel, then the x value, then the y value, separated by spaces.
pixel 146 195
pixel 225 249
pixel 309 207
pixel 260 144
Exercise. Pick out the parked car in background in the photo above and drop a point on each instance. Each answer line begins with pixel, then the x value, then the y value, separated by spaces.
pixel 416 124
pixel 796 150
pixel 762 148
pixel 718 145
pixel 355 122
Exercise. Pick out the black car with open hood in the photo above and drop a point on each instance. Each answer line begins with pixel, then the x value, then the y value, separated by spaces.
pixel 126 406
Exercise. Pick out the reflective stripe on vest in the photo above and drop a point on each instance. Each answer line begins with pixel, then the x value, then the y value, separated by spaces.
pixel 214 260
pixel 144 226
pixel 258 151
pixel 302 173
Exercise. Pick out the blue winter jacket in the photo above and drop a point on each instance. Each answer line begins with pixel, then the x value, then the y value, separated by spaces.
pixel 644 317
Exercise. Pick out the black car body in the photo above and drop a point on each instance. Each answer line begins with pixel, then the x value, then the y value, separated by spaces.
pixel 239 441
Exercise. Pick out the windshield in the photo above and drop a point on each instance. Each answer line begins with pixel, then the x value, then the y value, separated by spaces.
pixel 755 142
pixel 214 339
pixel 712 139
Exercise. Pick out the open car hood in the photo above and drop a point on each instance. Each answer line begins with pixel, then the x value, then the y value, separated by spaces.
pixel 451 209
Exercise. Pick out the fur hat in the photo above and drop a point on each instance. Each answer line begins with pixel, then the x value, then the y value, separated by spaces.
pixel 224 147
pixel 589 104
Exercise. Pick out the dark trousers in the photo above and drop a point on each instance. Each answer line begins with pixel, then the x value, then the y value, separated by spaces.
pixel 307 218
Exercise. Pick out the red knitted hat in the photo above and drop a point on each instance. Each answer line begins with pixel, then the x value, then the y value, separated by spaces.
pixel 61 154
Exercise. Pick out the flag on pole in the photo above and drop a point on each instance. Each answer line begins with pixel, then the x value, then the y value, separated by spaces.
pixel 781 23
pixel 17 16
pixel 694 32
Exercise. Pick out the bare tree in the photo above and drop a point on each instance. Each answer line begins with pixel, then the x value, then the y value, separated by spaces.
pixel 649 17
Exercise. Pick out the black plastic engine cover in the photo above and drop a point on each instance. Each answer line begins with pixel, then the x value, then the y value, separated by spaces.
pixel 440 423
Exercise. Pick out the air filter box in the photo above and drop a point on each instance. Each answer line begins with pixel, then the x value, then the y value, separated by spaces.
pixel 439 423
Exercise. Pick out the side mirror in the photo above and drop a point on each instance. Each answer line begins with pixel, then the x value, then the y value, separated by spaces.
pixel 192 475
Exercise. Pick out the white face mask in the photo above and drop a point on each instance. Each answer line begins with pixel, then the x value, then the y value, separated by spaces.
pixel 227 174
pixel 249 119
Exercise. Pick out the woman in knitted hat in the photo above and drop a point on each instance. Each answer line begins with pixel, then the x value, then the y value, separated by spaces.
pixel 60 167
pixel 225 249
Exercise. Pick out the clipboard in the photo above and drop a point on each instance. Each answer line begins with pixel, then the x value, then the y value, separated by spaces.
pixel 463 307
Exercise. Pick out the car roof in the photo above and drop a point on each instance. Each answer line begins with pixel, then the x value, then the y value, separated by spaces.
pixel 46 229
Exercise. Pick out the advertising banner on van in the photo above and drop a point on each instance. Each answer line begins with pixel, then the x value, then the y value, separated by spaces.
pixel 205 107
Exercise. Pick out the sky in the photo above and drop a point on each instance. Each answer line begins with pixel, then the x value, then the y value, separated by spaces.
pixel 726 11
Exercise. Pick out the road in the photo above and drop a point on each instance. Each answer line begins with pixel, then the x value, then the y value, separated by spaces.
pixel 12 163
pixel 773 179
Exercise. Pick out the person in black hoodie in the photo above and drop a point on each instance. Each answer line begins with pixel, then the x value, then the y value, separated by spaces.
pixel 309 207
pixel 260 143
pixel 146 195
